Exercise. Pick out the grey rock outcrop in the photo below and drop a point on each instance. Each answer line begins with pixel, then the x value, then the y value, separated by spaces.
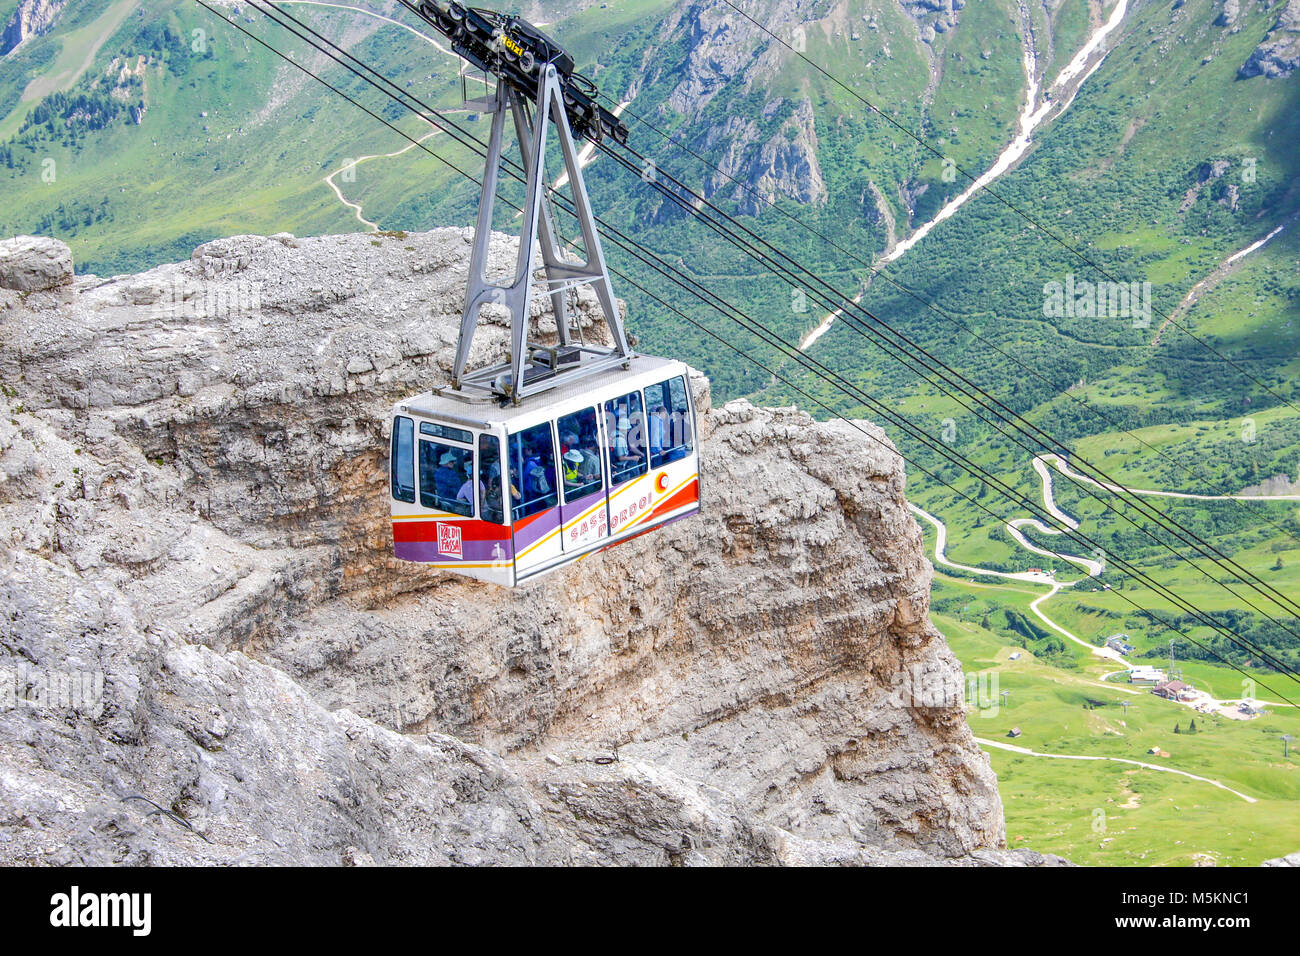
pixel 1228 15
pixel 34 264
pixel 707 47
pixel 32 18
pixel 193 507
pixel 933 16
pixel 1274 485
pixel 1278 55
pixel 780 163
pixel 1291 859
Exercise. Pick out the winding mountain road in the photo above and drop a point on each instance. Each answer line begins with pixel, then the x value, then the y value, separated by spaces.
pixel 1043 465
pixel 585 157
pixel 1040 466
pixel 1031 577
pixel 984 741
pixel 353 164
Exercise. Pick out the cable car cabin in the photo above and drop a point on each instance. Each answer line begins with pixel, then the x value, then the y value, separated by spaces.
pixel 507 494
pixel 557 451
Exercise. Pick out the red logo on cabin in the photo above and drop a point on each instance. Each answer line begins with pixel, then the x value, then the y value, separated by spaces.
pixel 661 482
pixel 449 540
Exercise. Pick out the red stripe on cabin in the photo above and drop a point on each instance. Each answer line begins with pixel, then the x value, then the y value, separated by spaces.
pixel 470 530
pixel 679 500
pixel 523 523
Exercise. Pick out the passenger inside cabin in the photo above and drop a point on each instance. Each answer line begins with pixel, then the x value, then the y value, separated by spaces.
pixel 658 433
pixel 590 467
pixel 447 480
pixel 629 448
pixel 676 435
pixel 539 477
pixel 636 439
pixel 490 507
pixel 572 470
pixel 515 496
pixel 466 492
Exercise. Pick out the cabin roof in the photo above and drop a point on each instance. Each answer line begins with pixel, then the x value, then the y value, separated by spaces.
pixel 583 393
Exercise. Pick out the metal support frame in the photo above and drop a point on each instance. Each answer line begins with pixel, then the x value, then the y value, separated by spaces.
pixel 528 370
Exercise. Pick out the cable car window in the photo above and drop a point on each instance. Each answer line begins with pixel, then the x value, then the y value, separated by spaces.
pixel 403 460
pixel 580 454
pixel 532 471
pixel 625 426
pixel 446 431
pixel 446 478
pixel 669 433
pixel 489 479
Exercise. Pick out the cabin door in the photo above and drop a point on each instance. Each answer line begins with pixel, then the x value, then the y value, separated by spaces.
pixel 534 496
pixel 584 508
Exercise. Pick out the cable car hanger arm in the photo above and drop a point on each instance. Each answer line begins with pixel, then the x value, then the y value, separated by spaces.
pixel 514 51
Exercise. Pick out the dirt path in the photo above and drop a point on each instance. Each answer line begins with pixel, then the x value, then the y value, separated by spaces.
pixel 586 156
pixel 1049 502
pixel 1093 568
pixel 1040 465
pixel 1032 577
pixel 1137 763
pixel 329 179
pixel 356 207
pixel 371 13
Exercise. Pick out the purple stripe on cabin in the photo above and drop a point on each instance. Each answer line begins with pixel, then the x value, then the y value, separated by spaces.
pixel 574 508
pixel 580 532
pixel 474 552
pixel 417 551
pixel 539 527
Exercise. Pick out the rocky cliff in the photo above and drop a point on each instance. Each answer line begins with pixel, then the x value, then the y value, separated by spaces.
pixel 708 47
pixel 1278 55
pixel 32 18
pixel 208 655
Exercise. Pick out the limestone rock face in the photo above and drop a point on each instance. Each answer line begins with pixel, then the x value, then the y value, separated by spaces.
pixel 34 264
pixel 782 164
pixel 32 18
pixel 1229 14
pixel 204 617
pixel 707 47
